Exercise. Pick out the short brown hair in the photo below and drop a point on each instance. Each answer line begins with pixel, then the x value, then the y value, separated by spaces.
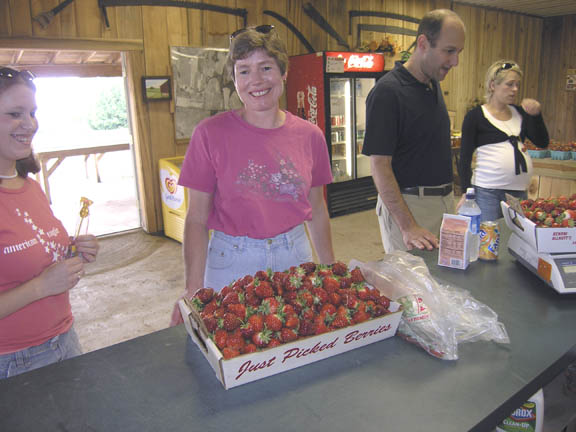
pixel 431 24
pixel 250 40
pixel 28 164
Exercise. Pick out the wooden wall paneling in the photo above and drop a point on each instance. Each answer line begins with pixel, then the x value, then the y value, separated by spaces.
pixel 21 17
pixel 216 25
pixel 315 35
pixel 135 68
pixel 110 32
pixel 68 21
pixel 295 14
pixel 195 32
pixel 40 6
pixel 89 20
pixel 129 22
pixel 177 22
pixel 5 20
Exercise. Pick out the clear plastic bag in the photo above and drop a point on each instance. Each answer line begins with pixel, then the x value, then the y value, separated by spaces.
pixel 436 316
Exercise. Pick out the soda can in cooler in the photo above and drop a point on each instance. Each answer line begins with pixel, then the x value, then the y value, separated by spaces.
pixel 489 241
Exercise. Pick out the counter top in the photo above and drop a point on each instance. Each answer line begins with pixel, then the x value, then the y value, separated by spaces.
pixel 161 382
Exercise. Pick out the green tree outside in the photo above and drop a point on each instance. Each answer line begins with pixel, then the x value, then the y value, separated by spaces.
pixel 109 112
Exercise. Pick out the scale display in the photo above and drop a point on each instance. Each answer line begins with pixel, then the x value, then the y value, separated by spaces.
pixel 567 268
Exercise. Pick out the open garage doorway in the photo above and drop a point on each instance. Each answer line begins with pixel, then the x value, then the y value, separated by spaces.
pixel 84 141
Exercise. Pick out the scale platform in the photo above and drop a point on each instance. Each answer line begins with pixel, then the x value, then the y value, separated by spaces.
pixel 558 270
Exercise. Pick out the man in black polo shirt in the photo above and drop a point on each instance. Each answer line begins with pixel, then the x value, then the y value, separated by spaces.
pixel 408 137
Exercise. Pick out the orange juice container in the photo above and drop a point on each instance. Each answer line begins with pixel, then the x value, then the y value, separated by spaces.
pixel 489 241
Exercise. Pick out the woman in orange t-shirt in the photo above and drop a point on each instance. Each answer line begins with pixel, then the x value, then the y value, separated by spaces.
pixel 35 270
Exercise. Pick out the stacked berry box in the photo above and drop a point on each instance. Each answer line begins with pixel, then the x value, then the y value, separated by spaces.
pixel 269 323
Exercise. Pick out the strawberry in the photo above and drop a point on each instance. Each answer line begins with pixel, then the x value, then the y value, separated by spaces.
pixel 330 284
pixel 568 223
pixel 220 338
pixel 235 341
pixel 230 321
pixel 288 309
pixel 335 298
pixel 323 271
pixel 262 275
pixel 274 322
pixel 307 314
pixel 257 322
pixel 210 323
pixel 261 338
pixel 294 283
pixel 269 305
pixel 274 342
pixel 204 295
pixel 288 335
pixel 210 307
pixel 252 299
pixel 362 291
pixel 339 268
pixel 380 310
pixel 249 348
pixel 345 282
pixel 356 275
pixel 340 321
pixel 360 316
pixel 328 308
pixel 238 309
pixel 225 291
pixel 351 301
pixel 219 313
pixel 263 289
pixel 306 298
pixel 308 267
pixel 292 321
pixel 307 328
pixel 320 296
pixel 231 298
pixel 279 281
pixel 320 323
pixel 384 301
pixel 229 353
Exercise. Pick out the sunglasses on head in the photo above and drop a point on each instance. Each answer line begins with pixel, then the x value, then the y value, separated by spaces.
pixel 264 29
pixel 9 73
pixel 505 66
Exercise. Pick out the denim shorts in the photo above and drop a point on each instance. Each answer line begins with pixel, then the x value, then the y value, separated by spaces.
pixel 232 257
pixel 489 201
pixel 61 347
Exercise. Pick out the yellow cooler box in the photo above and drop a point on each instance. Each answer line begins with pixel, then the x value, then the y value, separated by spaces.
pixel 174 197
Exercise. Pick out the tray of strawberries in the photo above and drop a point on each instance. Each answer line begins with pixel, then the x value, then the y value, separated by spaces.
pixel 272 322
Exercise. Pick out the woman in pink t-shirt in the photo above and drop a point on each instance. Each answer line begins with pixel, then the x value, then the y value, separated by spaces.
pixel 254 176
pixel 35 273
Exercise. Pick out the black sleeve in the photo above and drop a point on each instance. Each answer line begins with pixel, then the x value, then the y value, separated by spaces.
pixel 382 121
pixel 468 144
pixel 534 128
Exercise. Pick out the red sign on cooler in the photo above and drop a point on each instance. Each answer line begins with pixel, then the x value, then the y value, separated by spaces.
pixel 360 62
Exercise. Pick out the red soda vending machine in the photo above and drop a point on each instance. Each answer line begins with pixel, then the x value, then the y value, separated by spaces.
pixel 329 89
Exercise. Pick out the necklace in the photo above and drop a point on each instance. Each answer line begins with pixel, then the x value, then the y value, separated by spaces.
pixel 8 177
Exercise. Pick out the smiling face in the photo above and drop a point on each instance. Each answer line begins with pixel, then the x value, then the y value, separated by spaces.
pixel 259 82
pixel 18 125
pixel 437 60
pixel 505 87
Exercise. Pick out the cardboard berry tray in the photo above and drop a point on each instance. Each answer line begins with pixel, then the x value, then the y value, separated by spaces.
pixel 251 367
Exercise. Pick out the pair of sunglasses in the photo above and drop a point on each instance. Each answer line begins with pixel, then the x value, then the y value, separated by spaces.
pixel 264 29
pixel 9 73
pixel 505 66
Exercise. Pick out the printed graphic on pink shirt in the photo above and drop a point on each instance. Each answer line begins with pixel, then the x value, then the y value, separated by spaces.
pixel 47 240
pixel 281 183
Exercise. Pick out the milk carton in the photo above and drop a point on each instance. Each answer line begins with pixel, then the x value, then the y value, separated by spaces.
pixel 455 242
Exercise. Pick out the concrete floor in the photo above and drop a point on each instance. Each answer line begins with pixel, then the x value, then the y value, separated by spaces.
pixel 131 289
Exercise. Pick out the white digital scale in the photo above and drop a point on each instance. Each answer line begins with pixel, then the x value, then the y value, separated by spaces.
pixel 556 269
pixel 550 253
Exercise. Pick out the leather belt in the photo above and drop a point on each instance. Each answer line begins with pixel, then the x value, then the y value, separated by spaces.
pixel 428 190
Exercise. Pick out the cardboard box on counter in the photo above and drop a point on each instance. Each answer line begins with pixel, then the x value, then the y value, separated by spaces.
pixel 251 367
pixel 550 240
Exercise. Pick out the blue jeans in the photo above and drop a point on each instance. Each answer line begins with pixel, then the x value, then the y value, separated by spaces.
pixel 231 257
pixel 61 347
pixel 489 201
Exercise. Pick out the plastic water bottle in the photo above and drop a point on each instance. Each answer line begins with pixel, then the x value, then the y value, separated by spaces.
pixel 471 209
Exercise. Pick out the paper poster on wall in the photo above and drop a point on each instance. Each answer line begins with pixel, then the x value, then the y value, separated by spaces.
pixel 571 80
pixel 202 87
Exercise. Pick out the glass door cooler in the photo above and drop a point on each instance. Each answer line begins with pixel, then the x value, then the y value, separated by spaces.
pixel 329 89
